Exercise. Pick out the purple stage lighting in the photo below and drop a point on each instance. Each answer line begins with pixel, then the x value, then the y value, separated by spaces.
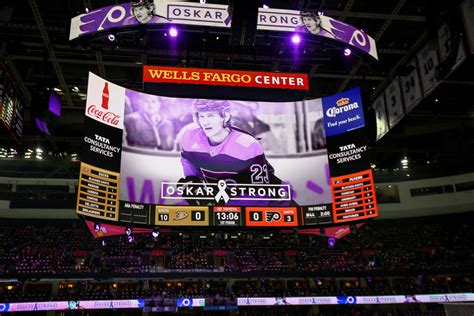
pixel 173 32
pixel 296 39
pixel 347 52
pixel 54 104
pixel 331 242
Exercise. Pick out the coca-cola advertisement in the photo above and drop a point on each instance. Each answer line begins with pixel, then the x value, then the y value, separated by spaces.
pixel 105 101
pixel 104 116
pixel 104 109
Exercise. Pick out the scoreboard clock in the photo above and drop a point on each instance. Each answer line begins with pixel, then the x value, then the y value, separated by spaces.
pixel 271 216
pixel 181 215
pixel 227 216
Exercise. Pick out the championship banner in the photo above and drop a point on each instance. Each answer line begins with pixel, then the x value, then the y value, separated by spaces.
pixel 155 12
pixel 352 185
pixel 200 76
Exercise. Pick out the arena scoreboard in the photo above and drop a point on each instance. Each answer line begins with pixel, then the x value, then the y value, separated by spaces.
pixel 133 172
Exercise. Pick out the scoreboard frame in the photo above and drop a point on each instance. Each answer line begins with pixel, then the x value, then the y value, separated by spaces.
pixel 227 216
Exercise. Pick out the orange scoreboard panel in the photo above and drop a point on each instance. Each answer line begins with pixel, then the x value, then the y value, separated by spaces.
pixel 271 216
pixel 353 197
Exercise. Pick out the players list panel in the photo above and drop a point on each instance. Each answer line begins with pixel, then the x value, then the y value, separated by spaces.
pixel 353 197
pixel 98 192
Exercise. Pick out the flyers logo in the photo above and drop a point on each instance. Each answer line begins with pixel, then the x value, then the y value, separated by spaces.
pixel 272 216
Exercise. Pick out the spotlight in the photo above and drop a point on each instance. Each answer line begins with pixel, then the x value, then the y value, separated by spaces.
pixel 128 231
pixel 347 52
pixel 331 242
pixel 87 10
pixel 104 243
pixel 111 37
pixel 202 1
pixel 173 32
pixel 155 233
pixel 97 227
pixel 266 6
pixel 130 238
pixel 320 13
pixel 296 39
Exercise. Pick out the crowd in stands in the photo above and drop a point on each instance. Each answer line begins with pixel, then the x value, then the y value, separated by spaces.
pixel 379 247
pixel 380 258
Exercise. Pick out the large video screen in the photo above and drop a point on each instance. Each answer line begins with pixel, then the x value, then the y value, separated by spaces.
pixel 158 160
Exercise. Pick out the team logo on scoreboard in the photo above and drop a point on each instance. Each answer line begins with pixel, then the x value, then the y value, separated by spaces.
pixel 273 217
pixel 225 192
pixel 180 215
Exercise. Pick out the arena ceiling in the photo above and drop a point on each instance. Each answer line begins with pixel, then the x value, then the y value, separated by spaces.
pixel 436 136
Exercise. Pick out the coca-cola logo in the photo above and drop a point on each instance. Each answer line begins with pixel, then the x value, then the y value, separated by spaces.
pixel 104 116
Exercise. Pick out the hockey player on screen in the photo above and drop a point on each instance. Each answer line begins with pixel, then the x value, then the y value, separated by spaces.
pixel 215 150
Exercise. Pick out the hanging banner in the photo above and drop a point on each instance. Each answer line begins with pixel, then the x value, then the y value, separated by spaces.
pixel 427 62
pixel 411 87
pixel 445 44
pixel 393 96
pixel 381 120
pixel 468 19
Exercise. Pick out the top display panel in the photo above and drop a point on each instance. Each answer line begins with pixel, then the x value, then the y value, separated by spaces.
pixel 216 15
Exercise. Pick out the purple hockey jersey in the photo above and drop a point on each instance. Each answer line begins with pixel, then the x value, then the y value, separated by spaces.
pixel 239 158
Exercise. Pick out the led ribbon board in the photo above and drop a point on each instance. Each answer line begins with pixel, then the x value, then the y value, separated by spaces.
pixel 214 15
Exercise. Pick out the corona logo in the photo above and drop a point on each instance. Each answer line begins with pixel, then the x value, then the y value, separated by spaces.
pixel 342 101
pixel 342 106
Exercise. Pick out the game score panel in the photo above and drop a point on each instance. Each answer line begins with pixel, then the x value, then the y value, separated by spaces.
pixel 224 216
pixel 98 192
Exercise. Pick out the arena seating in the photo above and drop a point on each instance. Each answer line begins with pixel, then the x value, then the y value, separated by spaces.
pixel 382 258
pixel 392 248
